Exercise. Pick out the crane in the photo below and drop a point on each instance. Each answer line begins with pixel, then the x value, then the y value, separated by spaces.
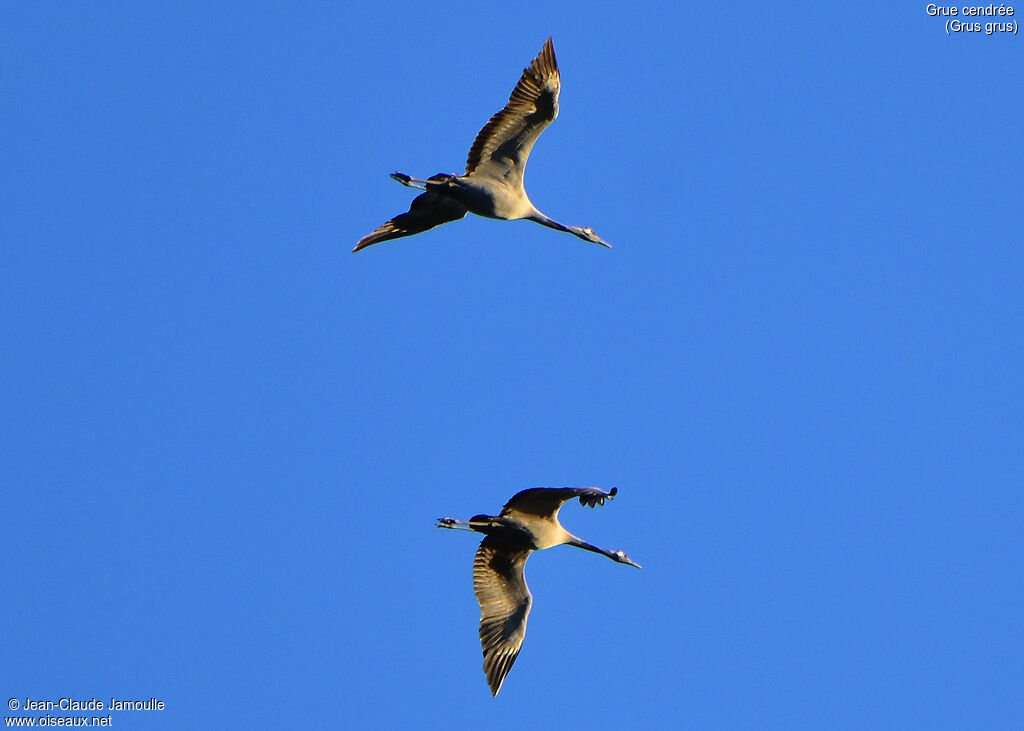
pixel 493 183
pixel 528 522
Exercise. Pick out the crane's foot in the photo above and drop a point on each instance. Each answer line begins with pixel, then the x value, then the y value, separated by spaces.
pixel 409 181
pixel 453 524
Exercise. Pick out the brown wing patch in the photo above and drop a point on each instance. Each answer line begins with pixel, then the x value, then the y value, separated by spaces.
pixel 533 105
pixel 505 600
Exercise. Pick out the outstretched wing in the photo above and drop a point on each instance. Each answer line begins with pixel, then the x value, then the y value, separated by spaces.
pixel 503 145
pixel 546 501
pixel 505 600
pixel 427 210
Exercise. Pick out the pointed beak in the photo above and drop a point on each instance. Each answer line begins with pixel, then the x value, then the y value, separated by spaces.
pixel 588 234
pixel 621 557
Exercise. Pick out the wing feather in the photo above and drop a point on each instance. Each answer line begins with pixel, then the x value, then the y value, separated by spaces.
pixel 503 145
pixel 427 211
pixel 501 590
pixel 546 501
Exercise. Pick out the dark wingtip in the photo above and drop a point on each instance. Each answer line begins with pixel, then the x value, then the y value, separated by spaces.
pixel 365 242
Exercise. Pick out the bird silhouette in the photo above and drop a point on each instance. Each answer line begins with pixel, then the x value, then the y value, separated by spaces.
pixel 528 522
pixel 493 183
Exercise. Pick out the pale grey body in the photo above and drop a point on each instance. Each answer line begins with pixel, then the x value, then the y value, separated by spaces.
pixel 527 523
pixel 492 185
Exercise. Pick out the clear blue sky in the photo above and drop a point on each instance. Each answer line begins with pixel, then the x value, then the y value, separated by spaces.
pixel 225 438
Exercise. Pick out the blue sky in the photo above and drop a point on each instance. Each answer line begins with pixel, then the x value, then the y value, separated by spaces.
pixel 226 438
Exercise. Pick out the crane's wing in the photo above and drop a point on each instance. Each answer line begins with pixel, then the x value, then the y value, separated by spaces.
pixel 505 600
pixel 427 210
pixel 503 145
pixel 546 501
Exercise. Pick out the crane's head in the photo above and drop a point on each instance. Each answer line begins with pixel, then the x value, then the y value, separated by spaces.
pixel 587 234
pixel 621 557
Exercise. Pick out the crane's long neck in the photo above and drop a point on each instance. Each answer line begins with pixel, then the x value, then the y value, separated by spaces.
pixel 584 233
pixel 616 556
pixel 574 541
pixel 549 222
